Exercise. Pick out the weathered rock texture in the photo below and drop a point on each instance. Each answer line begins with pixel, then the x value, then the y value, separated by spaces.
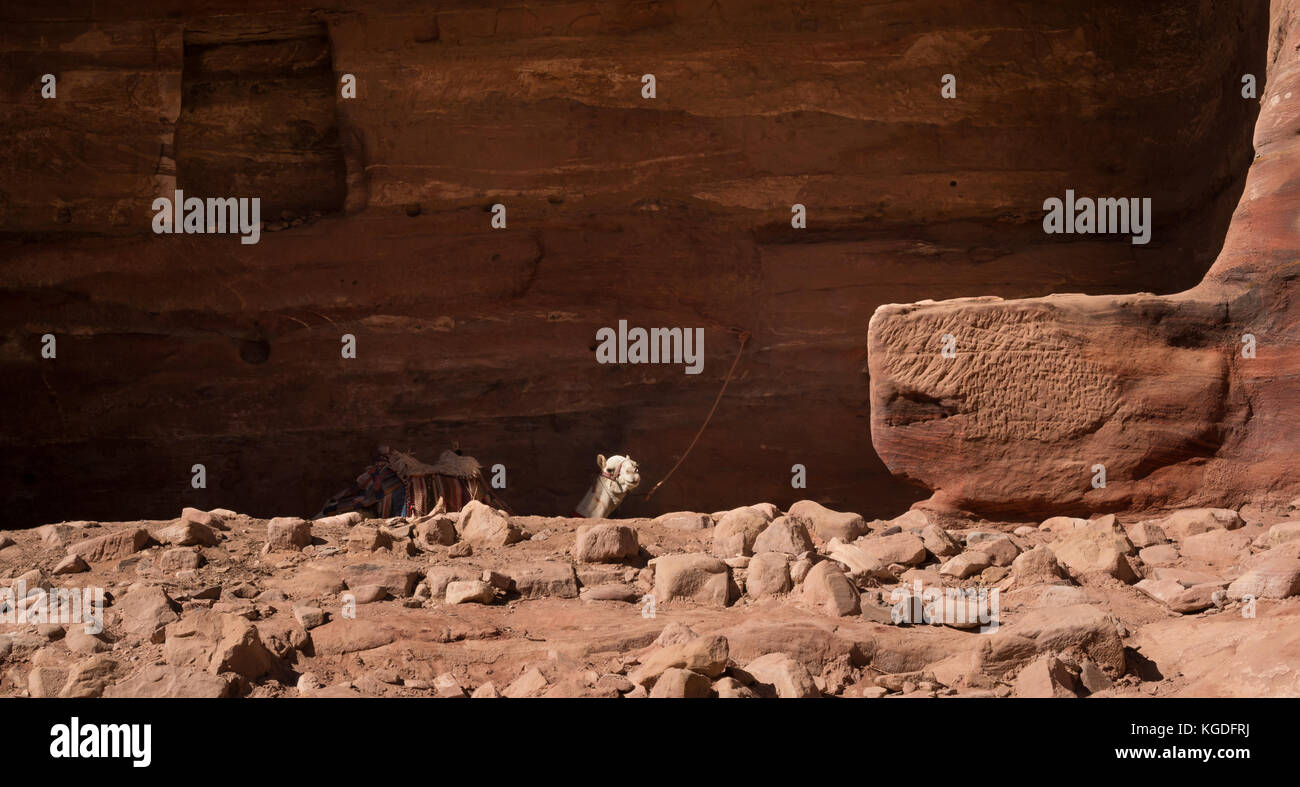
pixel 1155 388
pixel 182 349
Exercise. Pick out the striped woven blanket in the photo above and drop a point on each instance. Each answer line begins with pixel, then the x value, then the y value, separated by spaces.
pixel 398 484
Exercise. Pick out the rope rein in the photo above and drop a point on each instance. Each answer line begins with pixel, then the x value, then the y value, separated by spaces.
pixel 744 337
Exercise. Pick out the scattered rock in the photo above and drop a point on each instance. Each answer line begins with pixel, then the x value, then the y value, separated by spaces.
pixel 545 579
pixel 967 564
pixel 828 524
pixel 783 675
pixel 768 574
pixel 186 534
pixel 1182 524
pixel 434 530
pixel 938 542
pixel 287 533
pixel 685 520
pixel 695 577
pixel 785 534
pixel 164 681
pixel 113 546
pixel 484 527
pixel 1098 547
pixel 681 683
pixel 1272 577
pixel 1045 677
pixel 470 591
pixel 72 564
pixel 529 684
pixel 146 611
pixel 737 530
pixel 827 589
pixel 705 655
pixel 606 543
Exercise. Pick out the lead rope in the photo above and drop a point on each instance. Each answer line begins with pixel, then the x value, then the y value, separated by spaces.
pixel 744 337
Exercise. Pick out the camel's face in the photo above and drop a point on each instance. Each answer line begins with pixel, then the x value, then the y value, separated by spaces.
pixel 623 469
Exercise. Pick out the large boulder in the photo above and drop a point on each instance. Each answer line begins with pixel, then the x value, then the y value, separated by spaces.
pixel 695 577
pixel 685 520
pixel 827 589
pixel 161 680
pixel 779 674
pixel 484 526
pixel 826 523
pixel 1272 577
pixel 737 530
pixel 1189 522
pixel 113 546
pixel 545 579
pixel 185 533
pixel 1100 547
pixel 287 533
pixel 217 642
pixel 399 580
pixel 768 573
pixel 706 655
pixel 786 534
pixel 145 612
pixel 606 542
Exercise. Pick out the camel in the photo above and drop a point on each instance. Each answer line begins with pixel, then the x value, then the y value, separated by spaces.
pixel 618 476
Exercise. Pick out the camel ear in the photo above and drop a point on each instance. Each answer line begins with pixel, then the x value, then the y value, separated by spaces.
pixel 600 462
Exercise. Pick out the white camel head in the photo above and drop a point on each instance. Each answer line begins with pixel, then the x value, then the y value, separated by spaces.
pixel 618 476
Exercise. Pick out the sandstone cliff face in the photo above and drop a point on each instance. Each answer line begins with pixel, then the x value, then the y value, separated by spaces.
pixel 182 349
pixel 1158 389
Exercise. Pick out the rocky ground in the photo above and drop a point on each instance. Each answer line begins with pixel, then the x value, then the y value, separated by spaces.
pixel 748 602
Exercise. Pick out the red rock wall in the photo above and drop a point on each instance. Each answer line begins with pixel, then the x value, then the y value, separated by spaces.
pixel 1155 388
pixel 183 349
